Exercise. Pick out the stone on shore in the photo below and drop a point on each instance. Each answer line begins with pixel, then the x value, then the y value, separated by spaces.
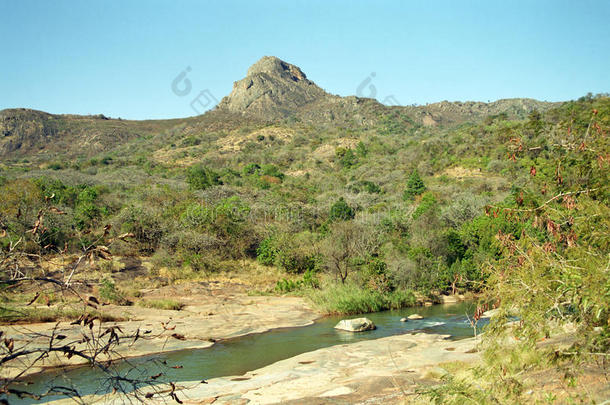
pixel 355 325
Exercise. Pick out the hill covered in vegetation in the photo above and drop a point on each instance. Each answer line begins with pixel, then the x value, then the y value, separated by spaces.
pixel 362 206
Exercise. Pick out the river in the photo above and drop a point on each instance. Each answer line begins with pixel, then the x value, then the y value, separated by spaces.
pixel 239 355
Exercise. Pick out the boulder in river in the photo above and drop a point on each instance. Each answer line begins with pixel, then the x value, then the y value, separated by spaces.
pixel 414 317
pixel 403 319
pixel 355 325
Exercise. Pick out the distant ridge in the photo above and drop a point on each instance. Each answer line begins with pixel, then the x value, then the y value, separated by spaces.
pixel 273 91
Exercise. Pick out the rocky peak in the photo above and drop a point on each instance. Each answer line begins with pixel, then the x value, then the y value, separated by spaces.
pixel 275 66
pixel 272 89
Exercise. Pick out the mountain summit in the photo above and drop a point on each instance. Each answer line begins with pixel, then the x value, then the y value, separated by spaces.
pixel 272 89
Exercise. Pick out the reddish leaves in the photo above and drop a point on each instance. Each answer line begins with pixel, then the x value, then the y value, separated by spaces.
pixel 553 228
pixel 569 202
pixel 532 171
pixel 519 199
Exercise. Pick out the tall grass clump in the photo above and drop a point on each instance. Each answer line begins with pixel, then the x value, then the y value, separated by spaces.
pixel 349 299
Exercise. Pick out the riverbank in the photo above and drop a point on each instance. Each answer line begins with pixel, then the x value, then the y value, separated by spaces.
pixel 211 311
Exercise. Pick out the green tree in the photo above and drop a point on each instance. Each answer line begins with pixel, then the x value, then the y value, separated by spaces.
pixel 415 187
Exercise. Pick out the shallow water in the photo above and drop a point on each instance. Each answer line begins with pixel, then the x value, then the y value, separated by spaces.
pixel 239 355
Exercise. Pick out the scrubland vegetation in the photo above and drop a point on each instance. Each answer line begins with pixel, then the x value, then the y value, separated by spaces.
pixel 358 219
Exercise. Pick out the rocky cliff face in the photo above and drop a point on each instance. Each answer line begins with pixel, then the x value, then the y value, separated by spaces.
pixel 24 128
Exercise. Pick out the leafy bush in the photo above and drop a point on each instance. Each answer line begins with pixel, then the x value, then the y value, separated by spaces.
pixel 109 293
pixel 427 205
pixel 266 252
pixel 289 252
pixel 346 157
pixel 200 177
pixel 341 211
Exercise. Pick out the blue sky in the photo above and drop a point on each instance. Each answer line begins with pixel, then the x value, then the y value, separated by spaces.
pixel 119 58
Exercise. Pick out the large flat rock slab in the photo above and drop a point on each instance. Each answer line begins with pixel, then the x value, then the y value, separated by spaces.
pixel 380 370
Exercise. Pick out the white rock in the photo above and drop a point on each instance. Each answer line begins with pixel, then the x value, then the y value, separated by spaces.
pixel 403 319
pixel 355 325
pixel 414 317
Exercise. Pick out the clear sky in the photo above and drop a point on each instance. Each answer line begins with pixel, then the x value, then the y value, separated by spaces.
pixel 119 58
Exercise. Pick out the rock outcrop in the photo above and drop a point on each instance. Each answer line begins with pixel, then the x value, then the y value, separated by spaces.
pixel 272 89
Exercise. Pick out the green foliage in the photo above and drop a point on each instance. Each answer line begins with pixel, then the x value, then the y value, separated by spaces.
pixel 289 252
pixel 200 177
pixel 341 211
pixel 266 252
pixel 86 210
pixel 251 168
pixel 448 237
pixel 146 224
pixel 285 286
pixel 109 293
pixel 428 205
pixel 394 124
pixel 361 149
pixel 271 170
pixel 415 187
pixel 366 186
pixel 309 280
pixel 349 298
pixel 376 277
pixel 346 157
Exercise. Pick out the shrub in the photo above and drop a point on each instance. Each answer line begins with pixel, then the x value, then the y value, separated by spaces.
pixel 341 211
pixel 427 205
pixel 108 292
pixel 346 157
pixel 199 178
pixel 145 223
pixel 291 253
pixel 266 252
pixel 272 171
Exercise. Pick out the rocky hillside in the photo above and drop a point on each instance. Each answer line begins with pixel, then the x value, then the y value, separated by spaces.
pixel 273 92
